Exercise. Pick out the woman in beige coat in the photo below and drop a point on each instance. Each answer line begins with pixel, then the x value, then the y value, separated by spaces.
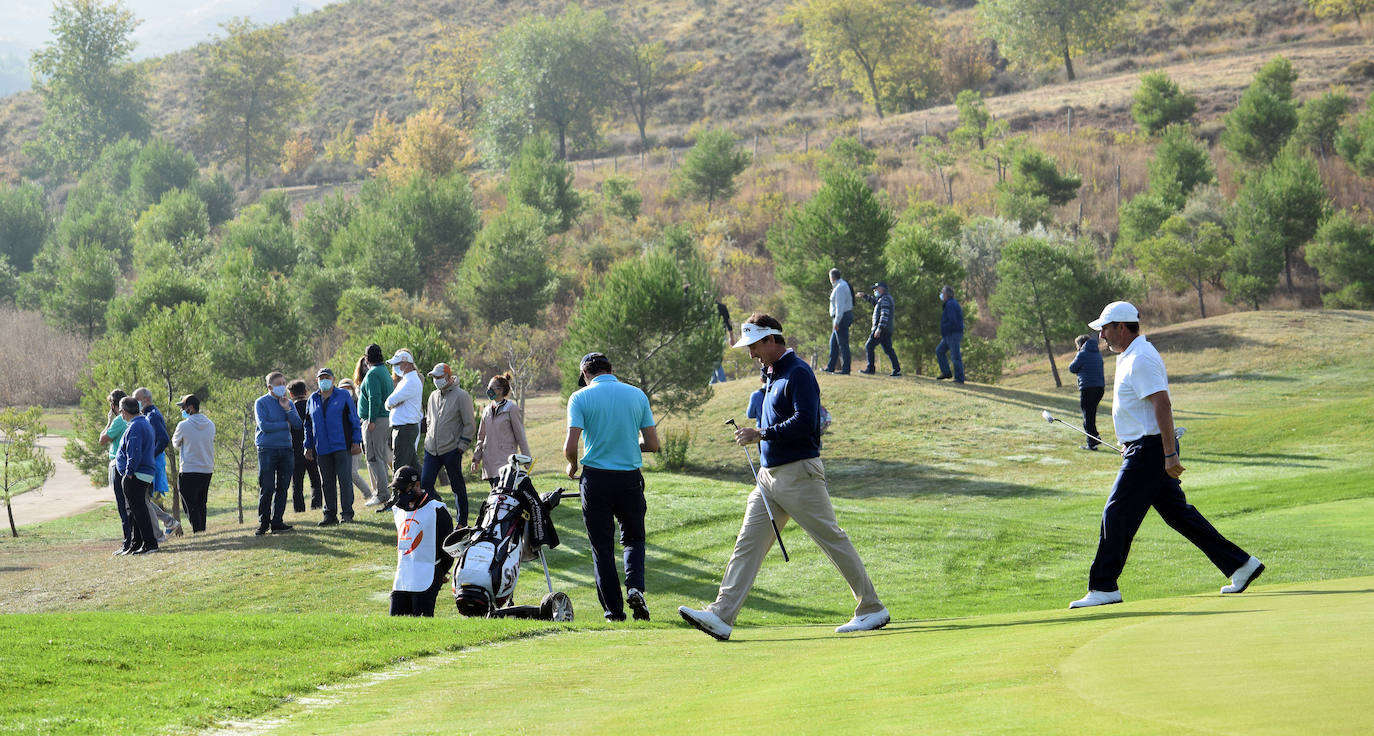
pixel 501 432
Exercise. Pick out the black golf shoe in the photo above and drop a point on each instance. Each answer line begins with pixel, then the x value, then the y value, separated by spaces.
pixel 638 607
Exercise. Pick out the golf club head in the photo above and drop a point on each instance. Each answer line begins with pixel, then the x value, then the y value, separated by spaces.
pixel 731 422
pixel 1047 416
pixel 1178 432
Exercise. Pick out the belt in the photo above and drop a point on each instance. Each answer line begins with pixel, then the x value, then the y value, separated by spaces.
pixel 1140 440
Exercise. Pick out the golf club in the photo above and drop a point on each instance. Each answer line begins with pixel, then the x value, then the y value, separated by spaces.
pixel 1051 419
pixel 766 507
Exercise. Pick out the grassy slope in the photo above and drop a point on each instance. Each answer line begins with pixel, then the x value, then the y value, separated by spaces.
pixel 961 501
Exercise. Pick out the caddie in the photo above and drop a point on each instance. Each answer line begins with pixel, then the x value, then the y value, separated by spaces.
pixel 422 523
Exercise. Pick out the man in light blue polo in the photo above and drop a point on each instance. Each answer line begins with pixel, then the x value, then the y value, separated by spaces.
pixel 615 424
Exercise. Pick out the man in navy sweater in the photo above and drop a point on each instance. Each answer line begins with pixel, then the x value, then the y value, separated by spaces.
pixel 793 480
pixel 951 337
pixel 135 466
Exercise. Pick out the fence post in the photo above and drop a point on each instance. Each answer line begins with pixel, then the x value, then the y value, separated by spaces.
pixel 756 148
pixel 1070 123
pixel 806 141
pixel 615 163
pixel 1118 186
pixel 861 136
pixel 925 127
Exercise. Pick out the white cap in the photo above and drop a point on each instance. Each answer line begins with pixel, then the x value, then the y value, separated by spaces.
pixel 750 333
pixel 438 369
pixel 401 356
pixel 1116 312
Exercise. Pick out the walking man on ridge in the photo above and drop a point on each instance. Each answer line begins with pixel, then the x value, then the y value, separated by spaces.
pixel 951 337
pixel 881 333
pixel 841 317
pixel 1143 416
pixel 793 479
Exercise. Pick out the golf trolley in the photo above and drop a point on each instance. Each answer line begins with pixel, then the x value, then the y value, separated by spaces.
pixel 512 527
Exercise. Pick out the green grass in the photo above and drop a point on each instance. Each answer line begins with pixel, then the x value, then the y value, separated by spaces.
pixel 962 502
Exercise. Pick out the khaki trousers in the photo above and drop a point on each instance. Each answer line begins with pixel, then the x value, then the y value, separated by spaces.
pixel 377 444
pixel 796 491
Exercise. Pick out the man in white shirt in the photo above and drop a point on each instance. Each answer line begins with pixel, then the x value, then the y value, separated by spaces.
pixel 407 408
pixel 1144 420
pixel 841 317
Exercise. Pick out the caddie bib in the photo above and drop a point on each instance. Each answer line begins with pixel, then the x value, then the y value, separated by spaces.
pixel 416 547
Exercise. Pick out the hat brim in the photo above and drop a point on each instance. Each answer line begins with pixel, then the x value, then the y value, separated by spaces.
pixel 1099 323
pixel 746 341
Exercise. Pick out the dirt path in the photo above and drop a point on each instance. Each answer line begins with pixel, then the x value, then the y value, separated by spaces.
pixel 67 492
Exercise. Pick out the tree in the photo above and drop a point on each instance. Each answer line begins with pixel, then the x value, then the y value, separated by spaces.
pixel 171 344
pixel 160 286
pixel 425 344
pixel 974 120
pixel 1319 121
pixel 1185 256
pixel 643 77
pixel 1180 165
pixel 886 50
pixel 1343 253
pixel 232 404
pixel 942 160
pixel 252 96
pixel 655 317
pixel 1048 291
pixel 179 219
pixel 1265 117
pixel 23 466
pixel 1341 8
pixel 85 285
pixel 1041 32
pixel 445 77
pixel 918 262
pixel 710 167
pixel 979 249
pixel 544 183
pixel 92 95
pixel 264 229
pixel 524 350
pixel 1280 208
pixel 846 154
pixel 845 226
pixel 108 366
pixel 1159 103
pixel 1035 185
pixel 252 314
pixel 24 223
pixel 1356 142
pixel 506 275
pixel 159 168
pixel 550 74
pixel 425 146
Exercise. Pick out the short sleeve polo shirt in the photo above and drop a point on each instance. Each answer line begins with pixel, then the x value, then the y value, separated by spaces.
pixel 1139 374
pixel 610 415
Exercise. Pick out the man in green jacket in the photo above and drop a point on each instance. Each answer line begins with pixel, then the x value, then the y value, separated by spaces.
pixel 376 386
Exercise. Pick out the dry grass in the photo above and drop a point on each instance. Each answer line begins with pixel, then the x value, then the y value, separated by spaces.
pixel 41 363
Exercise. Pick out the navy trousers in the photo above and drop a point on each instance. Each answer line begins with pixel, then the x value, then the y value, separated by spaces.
pixel 839 344
pixel 608 497
pixel 886 342
pixel 951 348
pixel 1088 399
pixel 452 461
pixel 1140 484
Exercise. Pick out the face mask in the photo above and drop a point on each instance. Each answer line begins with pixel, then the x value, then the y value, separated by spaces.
pixel 492 394
pixel 440 382
pixel 326 384
pixel 184 415
pixel 279 391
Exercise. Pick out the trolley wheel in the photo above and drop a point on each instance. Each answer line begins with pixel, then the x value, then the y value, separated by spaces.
pixel 556 606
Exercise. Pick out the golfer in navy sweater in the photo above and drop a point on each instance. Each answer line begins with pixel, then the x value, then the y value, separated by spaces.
pixel 135 466
pixel 793 479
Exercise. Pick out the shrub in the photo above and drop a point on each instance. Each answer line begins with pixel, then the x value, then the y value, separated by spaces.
pixel 672 451
pixel 24 223
pixel 159 168
pixel 1160 103
pixel 709 169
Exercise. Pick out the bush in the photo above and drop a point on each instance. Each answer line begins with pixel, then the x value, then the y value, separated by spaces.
pixel 1343 253
pixel 672 450
pixel 180 218
pixel 1265 117
pixel 620 198
pixel 25 388
pixel 218 195
pixel 1356 142
pixel 506 275
pixel 24 223
pixel 543 183
pixel 159 168
pixel 1160 103
pixel 709 169
pixel 984 360
pixel 265 230
pixel 846 154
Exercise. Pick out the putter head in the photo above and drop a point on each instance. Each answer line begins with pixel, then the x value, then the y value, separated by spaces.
pixel 731 422
pixel 1047 416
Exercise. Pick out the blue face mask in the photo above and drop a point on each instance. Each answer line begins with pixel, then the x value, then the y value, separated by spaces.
pixel 184 415
pixel 279 391
pixel 326 384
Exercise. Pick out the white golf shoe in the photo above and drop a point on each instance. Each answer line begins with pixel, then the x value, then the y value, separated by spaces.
pixel 707 622
pixel 866 622
pixel 1244 576
pixel 1097 598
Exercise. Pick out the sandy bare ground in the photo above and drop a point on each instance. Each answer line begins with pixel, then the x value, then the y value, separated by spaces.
pixel 66 493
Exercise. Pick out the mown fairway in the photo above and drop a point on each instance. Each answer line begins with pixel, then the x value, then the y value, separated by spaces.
pixel 971 513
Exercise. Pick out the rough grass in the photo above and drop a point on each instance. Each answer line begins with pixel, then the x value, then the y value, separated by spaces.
pixel 961 501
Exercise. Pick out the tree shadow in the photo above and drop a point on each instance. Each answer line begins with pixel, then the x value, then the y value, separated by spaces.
pixel 1261 459
pixel 853 479
pixel 1262 594
pixel 1204 337
pixel 1215 377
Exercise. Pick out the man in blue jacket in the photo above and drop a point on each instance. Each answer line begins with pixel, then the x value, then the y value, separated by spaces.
pixel 134 464
pixel 275 415
pixel 332 437
pixel 793 480
pixel 1087 365
pixel 951 337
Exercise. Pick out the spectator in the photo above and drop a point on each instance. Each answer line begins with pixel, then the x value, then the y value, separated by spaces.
pixel 134 463
pixel 792 479
pixel 1087 365
pixel 160 441
pixel 616 425
pixel 275 416
pixel 422 523
pixel 301 466
pixel 951 337
pixel 501 432
pixel 724 312
pixel 333 435
pixel 882 330
pixel 841 317
pixel 348 385
pixel 194 439
pixel 114 430
pixel 373 388
pixel 755 410
pixel 407 409
pixel 449 434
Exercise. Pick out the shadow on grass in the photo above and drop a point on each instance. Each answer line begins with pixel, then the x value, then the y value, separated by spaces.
pixel 1204 337
pixel 1263 459
pixel 853 480
pixel 1214 377
pixel 1311 592
pixel 918 627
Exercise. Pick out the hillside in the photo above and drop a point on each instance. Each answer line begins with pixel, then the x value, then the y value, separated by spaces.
pixel 753 70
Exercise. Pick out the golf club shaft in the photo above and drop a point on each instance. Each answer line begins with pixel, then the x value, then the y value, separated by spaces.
pixel 766 507
pixel 1085 434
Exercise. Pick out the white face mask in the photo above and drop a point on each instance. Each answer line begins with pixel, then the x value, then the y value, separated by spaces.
pixel 440 382
pixel 279 391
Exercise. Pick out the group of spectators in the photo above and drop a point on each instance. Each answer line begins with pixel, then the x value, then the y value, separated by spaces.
pixel 842 297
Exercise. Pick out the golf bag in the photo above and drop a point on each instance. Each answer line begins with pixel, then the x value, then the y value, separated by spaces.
pixel 512 526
